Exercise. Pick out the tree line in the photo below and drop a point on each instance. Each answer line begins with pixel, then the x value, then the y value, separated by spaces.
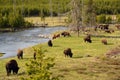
pixel 43 8
pixel 34 7
pixel 14 21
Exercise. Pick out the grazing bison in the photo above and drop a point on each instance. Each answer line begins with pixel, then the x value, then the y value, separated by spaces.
pixel 117 26
pixel 11 66
pixel 20 54
pixel 68 52
pixel 103 26
pixel 34 55
pixel 104 41
pixel 56 36
pixel 64 33
pixel 50 43
pixel 88 38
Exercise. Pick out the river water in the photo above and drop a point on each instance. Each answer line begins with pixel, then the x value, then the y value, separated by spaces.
pixel 12 41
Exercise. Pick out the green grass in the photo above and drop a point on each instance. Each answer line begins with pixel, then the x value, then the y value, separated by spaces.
pixel 80 67
pixel 51 21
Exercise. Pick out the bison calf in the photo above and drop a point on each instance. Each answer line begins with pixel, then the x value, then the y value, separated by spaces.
pixel 20 54
pixel 104 41
pixel 68 52
pixel 11 66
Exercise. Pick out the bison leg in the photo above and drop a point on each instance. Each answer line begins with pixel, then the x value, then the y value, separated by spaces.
pixel 8 72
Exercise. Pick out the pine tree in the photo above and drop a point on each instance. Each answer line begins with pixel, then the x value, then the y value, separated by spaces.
pixel 39 69
pixel 90 16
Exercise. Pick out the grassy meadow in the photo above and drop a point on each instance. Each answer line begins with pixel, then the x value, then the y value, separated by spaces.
pixel 81 67
pixel 51 21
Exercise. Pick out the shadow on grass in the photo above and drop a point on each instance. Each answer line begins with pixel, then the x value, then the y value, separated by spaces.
pixel 75 57
pixel 22 73
pixel 110 44
pixel 30 58
pixel 56 46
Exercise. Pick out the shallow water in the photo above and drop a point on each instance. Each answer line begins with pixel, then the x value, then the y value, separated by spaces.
pixel 10 42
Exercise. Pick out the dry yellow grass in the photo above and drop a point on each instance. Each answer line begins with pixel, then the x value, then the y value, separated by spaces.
pixel 51 21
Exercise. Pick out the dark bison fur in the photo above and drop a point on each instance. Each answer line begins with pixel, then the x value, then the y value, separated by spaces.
pixel 68 52
pixel 20 54
pixel 50 43
pixel 65 34
pixel 11 66
pixel 88 39
pixel 34 55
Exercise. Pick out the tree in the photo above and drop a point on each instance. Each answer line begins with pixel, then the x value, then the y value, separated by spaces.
pixel 75 15
pixel 39 69
pixel 90 15
pixel 1 20
pixel 16 20
pixel 42 15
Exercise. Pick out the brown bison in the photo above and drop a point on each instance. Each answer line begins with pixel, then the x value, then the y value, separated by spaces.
pixel 104 41
pixel 20 54
pixel 117 26
pixel 56 36
pixel 88 38
pixel 64 33
pixel 11 66
pixel 68 52
pixel 50 43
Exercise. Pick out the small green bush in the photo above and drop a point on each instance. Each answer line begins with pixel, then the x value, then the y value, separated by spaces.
pixel 39 69
pixel 101 19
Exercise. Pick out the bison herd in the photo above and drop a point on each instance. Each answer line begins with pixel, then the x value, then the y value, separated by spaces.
pixel 12 65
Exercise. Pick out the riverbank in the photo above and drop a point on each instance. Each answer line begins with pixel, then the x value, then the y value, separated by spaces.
pixel 11 41
pixel 37 22
pixel 1 54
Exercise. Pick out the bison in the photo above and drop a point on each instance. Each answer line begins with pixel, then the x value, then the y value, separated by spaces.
pixel 104 41
pixel 20 54
pixel 64 33
pixel 34 55
pixel 88 38
pixel 68 52
pixel 56 36
pixel 12 66
pixel 50 43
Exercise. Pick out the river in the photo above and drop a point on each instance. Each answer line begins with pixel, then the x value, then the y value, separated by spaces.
pixel 10 42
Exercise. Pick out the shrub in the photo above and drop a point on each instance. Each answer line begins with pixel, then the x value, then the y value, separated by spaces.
pixel 101 19
pixel 39 69
pixel 108 20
